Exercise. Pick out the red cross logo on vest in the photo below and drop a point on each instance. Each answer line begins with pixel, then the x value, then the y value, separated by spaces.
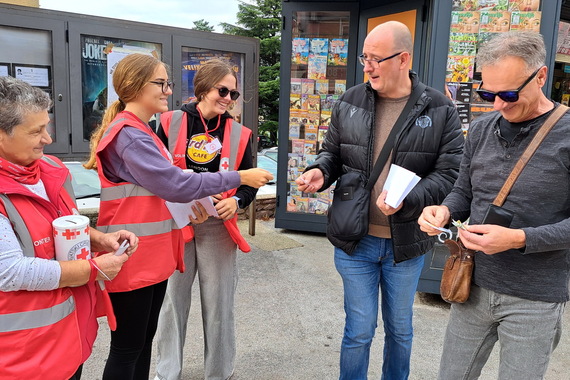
pixel 84 254
pixel 70 235
pixel 225 164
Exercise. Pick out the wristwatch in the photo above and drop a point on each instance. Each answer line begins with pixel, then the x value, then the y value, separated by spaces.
pixel 237 200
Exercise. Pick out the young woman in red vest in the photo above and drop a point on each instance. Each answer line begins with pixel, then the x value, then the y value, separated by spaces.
pixel 137 176
pixel 203 137
pixel 47 307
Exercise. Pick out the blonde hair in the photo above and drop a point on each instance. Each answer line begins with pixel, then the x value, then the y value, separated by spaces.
pixel 210 74
pixel 131 74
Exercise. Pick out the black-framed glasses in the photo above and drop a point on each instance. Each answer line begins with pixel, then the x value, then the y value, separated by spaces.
pixel 224 91
pixel 507 96
pixel 163 85
pixel 362 59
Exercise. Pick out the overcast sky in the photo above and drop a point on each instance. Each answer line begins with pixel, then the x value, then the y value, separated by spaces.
pixel 180 13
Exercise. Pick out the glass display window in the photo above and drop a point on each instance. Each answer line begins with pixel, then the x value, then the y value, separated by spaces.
pixel 473 22
pixel 98 56
pixel 319 58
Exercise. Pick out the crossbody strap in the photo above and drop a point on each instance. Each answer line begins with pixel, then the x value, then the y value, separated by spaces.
pixel 389 144
pixel 528 153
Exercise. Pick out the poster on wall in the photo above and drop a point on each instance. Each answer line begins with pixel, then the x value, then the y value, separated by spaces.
pixel 37 76
pixel 193 58
pixel 94 50
pixel 4 69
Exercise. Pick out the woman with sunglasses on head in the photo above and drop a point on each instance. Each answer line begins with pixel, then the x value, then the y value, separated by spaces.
pixel 137 176
pixel 203 137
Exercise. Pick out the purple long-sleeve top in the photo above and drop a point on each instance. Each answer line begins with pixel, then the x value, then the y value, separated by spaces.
pixel 134 157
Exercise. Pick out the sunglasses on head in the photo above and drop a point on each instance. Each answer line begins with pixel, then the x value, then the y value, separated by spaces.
pixel 224 91
pixel 507 96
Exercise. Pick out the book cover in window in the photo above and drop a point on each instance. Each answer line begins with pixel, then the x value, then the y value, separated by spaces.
pixel 300 51
pixel 459 68
pixel 297 146
pixel 295 102
pixel 465 22
pixel 317 68
pixel 339 86
pixel 495 21
pixel 307 86
pixel 528 21
pixel 493 5
pixel 318 47
pixel 322 86
pixel 322 133
pixel 524 5
pixel 338 52
pixel 310 147
pixel 295 85
pixel 462 44
pixel 465 5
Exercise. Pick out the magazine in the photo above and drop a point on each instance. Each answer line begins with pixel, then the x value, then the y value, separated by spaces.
pixel 465 5
pixel 524 5
pixel 307 86
pixel 318 47
pixel 300 51
pixel 322 86
pixel 529 21
pixel 460 68
pixel 338 52
pixel 465 22
pixel 317 68
pixel 295 85
pixel 495 21
pixel 339 86
pixel 493 5
pixel 462 44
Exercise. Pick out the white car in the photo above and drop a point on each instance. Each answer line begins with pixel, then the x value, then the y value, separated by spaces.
pixel 86 187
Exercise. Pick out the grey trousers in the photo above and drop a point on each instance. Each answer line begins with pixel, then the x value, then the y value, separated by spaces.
pixel 527 331
pixel 211 255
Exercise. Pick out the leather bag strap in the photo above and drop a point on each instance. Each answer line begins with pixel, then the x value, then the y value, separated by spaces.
pixel 528 153
pixel 389 144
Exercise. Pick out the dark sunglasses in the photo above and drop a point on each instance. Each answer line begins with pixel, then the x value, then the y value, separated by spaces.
pixel 164 85
pixel 507 96
pixel 224 91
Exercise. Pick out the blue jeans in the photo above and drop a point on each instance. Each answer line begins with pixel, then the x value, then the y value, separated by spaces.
pixel 372 268
pixel 528 332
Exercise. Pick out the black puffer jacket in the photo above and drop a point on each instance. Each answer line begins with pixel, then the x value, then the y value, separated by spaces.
pixel 430 145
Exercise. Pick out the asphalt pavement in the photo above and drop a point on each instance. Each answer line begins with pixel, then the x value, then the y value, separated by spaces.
pixel 289 318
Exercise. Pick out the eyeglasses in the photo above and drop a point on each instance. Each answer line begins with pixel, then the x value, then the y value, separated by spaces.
pixel 164 85
pixel 224 91
pixel 362 59
pixel 507 96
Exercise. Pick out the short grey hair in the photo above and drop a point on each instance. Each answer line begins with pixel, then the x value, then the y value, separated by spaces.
pixel 528 46
pixel 17 100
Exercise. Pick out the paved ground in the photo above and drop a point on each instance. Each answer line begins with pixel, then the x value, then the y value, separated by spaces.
pixel 290 319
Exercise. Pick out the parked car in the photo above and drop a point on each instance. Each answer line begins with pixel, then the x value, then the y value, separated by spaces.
pixel 270 165
pixel 86 186
pixel 269 152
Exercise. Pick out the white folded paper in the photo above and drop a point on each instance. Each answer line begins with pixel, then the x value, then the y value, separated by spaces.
pixel 71 238
pixel 399 183
pixel 182 211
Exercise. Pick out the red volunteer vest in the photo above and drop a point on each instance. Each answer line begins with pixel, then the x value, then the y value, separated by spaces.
pixel 127 206
pixel 235 141
pixel 43 334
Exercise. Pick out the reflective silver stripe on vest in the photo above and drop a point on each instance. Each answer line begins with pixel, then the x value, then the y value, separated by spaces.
pixel 235 138
pixel 20 229
pixel 113 125
pixel 123 191
pixel 67 184
pixel 142 229
pixel 176 121
pixel 36 318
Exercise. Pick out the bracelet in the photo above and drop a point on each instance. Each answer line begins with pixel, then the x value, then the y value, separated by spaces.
pixel 95 268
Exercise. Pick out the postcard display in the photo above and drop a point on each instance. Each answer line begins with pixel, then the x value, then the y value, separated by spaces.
pixel 318 77
pixel 472 23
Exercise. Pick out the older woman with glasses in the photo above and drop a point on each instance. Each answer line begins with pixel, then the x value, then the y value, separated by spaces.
pixel 203 137
pixel 47 307
pixel 137 177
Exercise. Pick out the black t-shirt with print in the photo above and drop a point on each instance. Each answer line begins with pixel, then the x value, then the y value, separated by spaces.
pixel 200 159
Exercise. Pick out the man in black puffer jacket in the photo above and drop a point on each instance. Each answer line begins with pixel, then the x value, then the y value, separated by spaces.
pixel 390 257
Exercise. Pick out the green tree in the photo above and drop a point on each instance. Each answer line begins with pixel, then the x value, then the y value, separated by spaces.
pixel 203 25
pixel 262 19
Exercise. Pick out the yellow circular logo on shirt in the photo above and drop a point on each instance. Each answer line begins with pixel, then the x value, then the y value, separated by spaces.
pixel 196 150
